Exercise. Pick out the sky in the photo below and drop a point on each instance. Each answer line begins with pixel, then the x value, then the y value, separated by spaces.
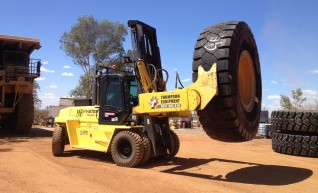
pixel 285 33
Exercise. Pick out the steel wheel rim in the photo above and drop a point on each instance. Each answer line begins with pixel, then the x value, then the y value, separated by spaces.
pixel 124 149
pixel 246 81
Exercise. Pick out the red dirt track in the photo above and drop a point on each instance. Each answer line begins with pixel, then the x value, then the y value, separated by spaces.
pixel 202 165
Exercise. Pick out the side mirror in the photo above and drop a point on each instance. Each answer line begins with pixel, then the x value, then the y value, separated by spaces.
pixel 126 60
pixel 38 67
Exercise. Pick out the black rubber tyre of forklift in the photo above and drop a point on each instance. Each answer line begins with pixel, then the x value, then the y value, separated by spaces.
pixel 174 144
pixel 147 148
pixel 233 114
pixel 299 145
pixel 21 120
pixel 58 141
pixel 127 149
pixel 295 122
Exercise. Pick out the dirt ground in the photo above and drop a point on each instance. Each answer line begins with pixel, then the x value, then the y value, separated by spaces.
pixel 202 165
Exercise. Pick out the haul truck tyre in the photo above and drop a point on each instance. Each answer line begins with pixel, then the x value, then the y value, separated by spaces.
pixel 22 118
pixel 58 141
pixel 296 122
pixel 299 145
pixel 127 149
pixel 233 114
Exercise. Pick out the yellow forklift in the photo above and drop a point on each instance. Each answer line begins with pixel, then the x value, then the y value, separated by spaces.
pixel 131 109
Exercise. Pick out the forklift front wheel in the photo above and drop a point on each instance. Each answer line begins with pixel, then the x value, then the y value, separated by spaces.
pixel 127 149
pixel 147 148
pixel 174 144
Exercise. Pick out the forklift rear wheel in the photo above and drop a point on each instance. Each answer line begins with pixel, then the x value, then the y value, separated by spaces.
pixel 58 141
pixel 233 114
pixel 127 149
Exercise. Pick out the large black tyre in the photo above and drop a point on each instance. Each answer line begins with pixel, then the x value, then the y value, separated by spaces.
pixel 22 118
pixel 299 145
pixel 296 122
pixel 174 144
pixel 147 149
pixel 127 149
pixel 58 141
pixel 233 114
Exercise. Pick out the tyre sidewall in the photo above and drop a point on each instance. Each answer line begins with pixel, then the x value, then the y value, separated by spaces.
pixel 246 42
pixel 119 158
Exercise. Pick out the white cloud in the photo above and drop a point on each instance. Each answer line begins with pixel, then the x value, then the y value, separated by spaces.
pixel 40 78
pixel 46 70
pixel 53 86
pixel 272 105
pixel 294 84
pixel 67 74
pixel 45 62
pixel 273 97
pixel 313 72
pixel 310 92
pixel 49 99
pixel 66 67
pixel 186 80
pixel 175 69
pixel 274 82
pixel 48 96
pixel 311 95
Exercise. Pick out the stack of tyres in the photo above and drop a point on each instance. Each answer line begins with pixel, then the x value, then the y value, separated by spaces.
pixel 295 132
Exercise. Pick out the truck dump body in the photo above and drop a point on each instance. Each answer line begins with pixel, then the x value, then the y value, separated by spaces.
pixel 13 43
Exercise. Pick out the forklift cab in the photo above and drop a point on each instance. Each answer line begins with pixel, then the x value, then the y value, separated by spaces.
pixel 118 94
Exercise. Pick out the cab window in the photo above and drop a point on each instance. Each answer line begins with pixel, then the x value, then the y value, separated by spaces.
pixel 114 93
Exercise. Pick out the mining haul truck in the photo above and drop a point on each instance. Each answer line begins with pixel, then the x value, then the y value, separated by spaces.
pixel 130 118
pixel 17 74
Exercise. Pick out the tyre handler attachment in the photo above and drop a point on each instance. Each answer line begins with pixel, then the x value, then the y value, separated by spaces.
pixel 180 102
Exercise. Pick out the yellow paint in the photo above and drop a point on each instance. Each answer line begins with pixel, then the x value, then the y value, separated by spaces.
pixel 145 77
pixel 84 131
pixel 206 85
pixel 180 102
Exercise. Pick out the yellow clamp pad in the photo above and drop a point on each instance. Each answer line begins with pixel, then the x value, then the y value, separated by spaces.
pixel 206 85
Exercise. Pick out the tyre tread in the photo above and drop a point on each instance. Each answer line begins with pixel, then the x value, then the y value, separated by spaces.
pixel 301 122
pixel 299 145
pixel 58 141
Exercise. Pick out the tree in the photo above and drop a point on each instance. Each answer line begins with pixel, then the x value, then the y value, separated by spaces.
pixel 82 90
pixel 37 100
pixel 285 102
pixel 90 42
pixel 298 100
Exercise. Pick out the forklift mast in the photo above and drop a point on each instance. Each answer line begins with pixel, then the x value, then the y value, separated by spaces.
pixel 145 47
pixel 146 52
